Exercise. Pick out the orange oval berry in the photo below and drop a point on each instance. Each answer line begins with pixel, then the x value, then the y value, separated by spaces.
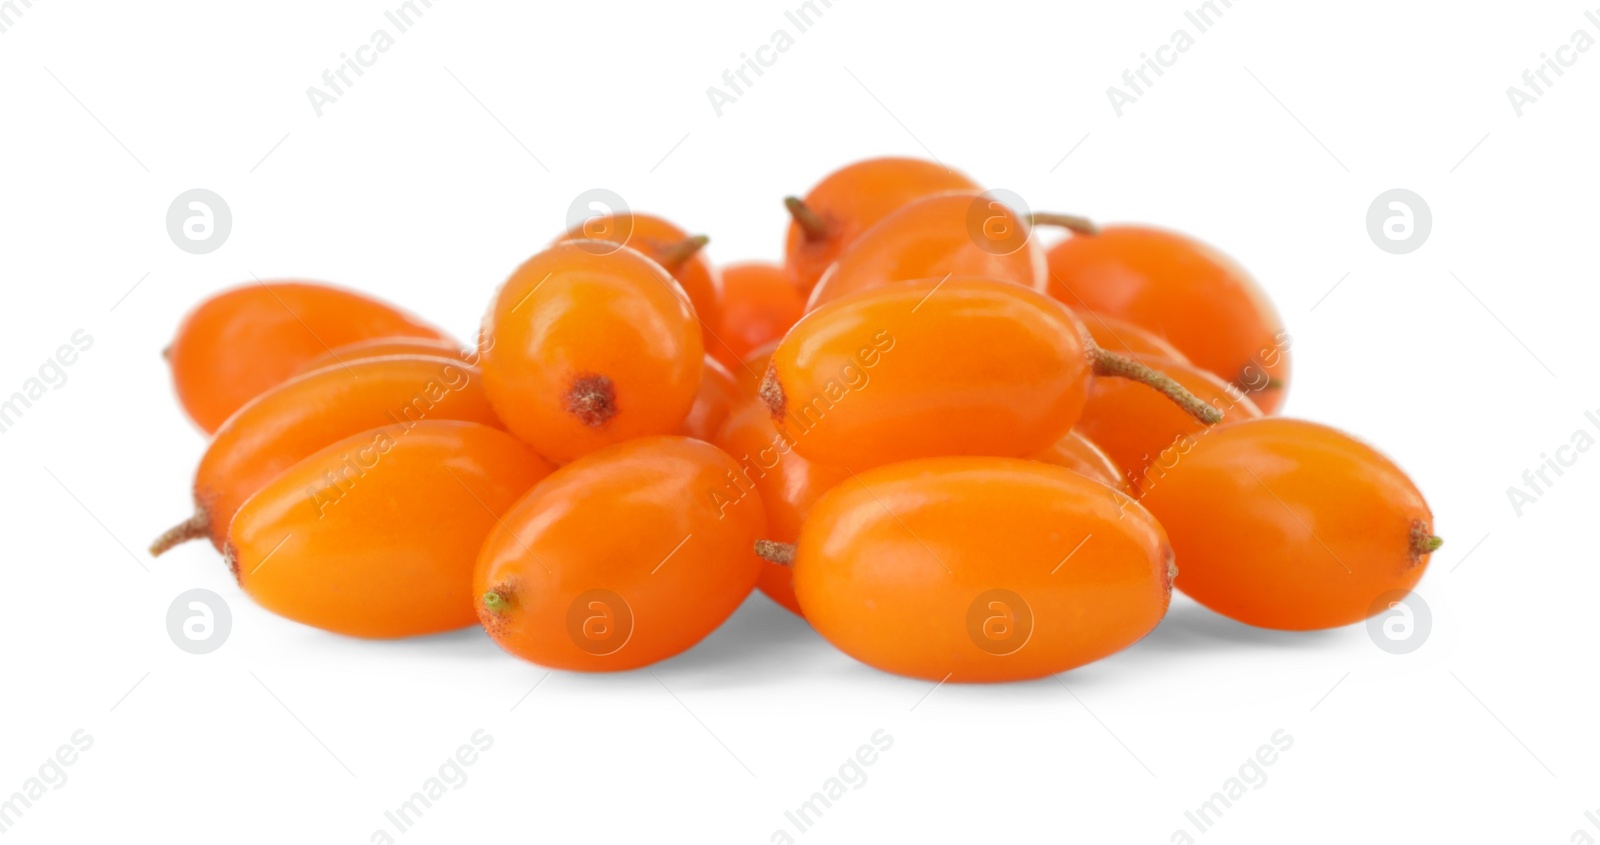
pixel 1185 291
pixel 377 534
pixel 935 367
pixel 980 569
pixel 759 304
pixel 622 558
pixel 1079 454
pixel 1142 431
pixel 849 201
pixel 679 253
pixel 245 340
pixel 719 391
pixel 304 414
pixel 590 346
pixel 788 483
pixel 383 347
pixel 1125 338
pixel 960 233
pixel 1292 525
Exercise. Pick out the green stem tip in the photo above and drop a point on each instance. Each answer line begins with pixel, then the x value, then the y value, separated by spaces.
pixel 673 256
pixel 814 227
pixel 494 602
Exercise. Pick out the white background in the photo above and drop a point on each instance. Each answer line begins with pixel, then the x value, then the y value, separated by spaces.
pixel 456 156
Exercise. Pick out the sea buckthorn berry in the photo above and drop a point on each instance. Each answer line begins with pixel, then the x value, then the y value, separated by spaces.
pixel 377 534
pixel 1142 431
pixel 1292 525
pixel 624 557
pixel 759 304
pixel 962 233
pixel 979 569
pixel 1185 291
pixel 678 252
pixel 753 368
pixel 1125 338
pixel 954 366
pixel 849 201
pixel 719 392
pixel 1079 454
pixel 383 347
pixel 590 347
pixel 788 483
pixel 245 340
pixel 304 414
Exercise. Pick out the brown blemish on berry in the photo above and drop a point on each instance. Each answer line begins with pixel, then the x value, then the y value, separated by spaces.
pixel 592 400
pixel 771 392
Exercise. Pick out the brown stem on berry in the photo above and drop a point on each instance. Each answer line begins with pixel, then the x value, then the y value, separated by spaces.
pixel 775 552
pixel 814 227
pixel 673 256
pixel 1423 541
pixel 193 528
pixel 1071 222
pixel 1112 364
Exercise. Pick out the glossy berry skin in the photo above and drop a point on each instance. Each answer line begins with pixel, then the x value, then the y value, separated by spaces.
pixel 851 199
pixel 719 392
pixel 753 368
pixel 377 534
pixel 759 304
pixel 962 233
pixel 247 339
pixel 1185 291
pixel 289 422
pixel 980 569
pixel 1125 338
pixel 384 347
pixel 656 239
pixel 1079 454
pixel 622 558
pixel 922 369
pixel 1142 431
pixel 788 483
pixel 1288 524
pixel 590 347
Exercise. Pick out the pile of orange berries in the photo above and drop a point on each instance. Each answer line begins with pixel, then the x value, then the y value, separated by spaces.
pixel 955 453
